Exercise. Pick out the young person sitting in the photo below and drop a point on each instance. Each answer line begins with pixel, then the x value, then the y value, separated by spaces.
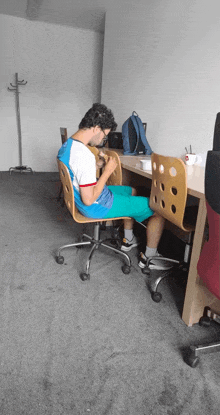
pixel 93 198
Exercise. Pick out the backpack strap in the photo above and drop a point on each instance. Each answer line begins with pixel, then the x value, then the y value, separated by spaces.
pixel 137 129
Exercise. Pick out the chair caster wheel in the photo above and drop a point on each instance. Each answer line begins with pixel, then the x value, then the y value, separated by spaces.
pixel 205 321
pixel 60 259
pixel 156 297
pixel 192 361
pixel 126 269
pixel 84 276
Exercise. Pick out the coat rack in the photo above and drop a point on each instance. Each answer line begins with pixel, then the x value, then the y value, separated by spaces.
pixel 14 88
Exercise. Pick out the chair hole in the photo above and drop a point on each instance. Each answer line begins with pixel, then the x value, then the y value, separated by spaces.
pixel 155 183
pixel 155 199
pixel 163 204
pixel 173 208
pixel 67 188
pixel 68 204
pixel 162 186
pixel 173 171
pixel 174 190
pixel 161 168
pixel 154 165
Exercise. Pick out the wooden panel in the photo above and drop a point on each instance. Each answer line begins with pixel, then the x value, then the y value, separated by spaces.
pixel 116 176
pixel 169 188
pixel 63 133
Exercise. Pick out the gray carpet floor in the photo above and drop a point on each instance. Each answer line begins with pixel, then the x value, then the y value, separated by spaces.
pixel 100 347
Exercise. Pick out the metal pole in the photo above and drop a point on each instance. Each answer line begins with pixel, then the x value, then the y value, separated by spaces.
pixel 18 119
pixel 14 88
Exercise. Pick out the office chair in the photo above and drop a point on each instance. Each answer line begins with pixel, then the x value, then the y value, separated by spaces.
pixel 168 198
pixel 94 240
pixel 208 266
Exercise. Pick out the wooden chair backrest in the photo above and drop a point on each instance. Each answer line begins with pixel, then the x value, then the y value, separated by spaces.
pixel 63 133
pixel 169 189
pixel 116 176
pixel 67 187
pixel 69 194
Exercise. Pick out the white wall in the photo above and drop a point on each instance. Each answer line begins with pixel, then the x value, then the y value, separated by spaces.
pixel 162 60
pixel 62 67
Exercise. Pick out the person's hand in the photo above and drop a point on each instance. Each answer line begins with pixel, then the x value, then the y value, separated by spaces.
pixel 102 155
pixel 100 163
pixel 111 165
pixel 102 160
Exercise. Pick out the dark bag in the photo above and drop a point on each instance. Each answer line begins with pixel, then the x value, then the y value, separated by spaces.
pixel 115 140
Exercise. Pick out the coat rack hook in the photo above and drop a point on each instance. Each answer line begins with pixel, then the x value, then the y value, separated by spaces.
pixel 22 82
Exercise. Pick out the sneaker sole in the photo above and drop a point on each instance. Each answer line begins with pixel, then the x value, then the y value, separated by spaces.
pixel 141 265
pixel 126 249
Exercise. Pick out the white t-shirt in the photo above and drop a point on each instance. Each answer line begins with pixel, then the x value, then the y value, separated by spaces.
pixel 83 164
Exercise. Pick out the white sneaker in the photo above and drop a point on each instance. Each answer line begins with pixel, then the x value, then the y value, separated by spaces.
pixel 128 245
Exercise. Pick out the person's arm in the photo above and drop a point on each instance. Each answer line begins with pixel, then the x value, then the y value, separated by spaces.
pixel 89 194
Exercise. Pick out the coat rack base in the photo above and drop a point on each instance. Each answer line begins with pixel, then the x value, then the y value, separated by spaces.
pixel 21 169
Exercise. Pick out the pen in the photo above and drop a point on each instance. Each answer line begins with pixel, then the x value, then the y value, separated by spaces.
pixel 190 149
pixel 186 150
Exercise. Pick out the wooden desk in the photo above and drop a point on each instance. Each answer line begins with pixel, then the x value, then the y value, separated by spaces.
pixel 196 296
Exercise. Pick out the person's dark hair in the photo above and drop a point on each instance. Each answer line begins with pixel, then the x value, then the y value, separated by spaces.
pixel 99 115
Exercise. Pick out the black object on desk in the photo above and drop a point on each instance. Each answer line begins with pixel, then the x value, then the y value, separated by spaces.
pixel 115 140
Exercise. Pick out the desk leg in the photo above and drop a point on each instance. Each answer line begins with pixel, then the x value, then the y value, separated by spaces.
pixel 195 297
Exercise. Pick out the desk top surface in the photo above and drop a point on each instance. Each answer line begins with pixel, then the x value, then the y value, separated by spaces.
pixel 195 174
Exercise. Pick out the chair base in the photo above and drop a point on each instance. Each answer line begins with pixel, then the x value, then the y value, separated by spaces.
pixel 172 265
pixel 95 243
pixel 192 357
pixel 156 276
pixel 21 169
pixel 194 352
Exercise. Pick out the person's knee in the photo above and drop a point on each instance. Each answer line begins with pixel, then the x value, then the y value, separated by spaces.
pixel 159 217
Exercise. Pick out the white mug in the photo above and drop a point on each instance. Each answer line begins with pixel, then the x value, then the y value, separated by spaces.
pixel 146 165
pixel 191 159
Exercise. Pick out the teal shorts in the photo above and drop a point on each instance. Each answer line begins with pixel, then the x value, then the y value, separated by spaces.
pixel 124 204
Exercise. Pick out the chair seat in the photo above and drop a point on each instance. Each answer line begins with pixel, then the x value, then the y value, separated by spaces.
pixel 83 219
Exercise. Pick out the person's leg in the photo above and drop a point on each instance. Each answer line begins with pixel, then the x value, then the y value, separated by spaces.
pixel 129 240
pixel 138 208
pixel 129 223
pixel 126 203
pixel 155 229
pixel 154 232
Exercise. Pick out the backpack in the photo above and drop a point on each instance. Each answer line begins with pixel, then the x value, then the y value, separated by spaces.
pixel 133 136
